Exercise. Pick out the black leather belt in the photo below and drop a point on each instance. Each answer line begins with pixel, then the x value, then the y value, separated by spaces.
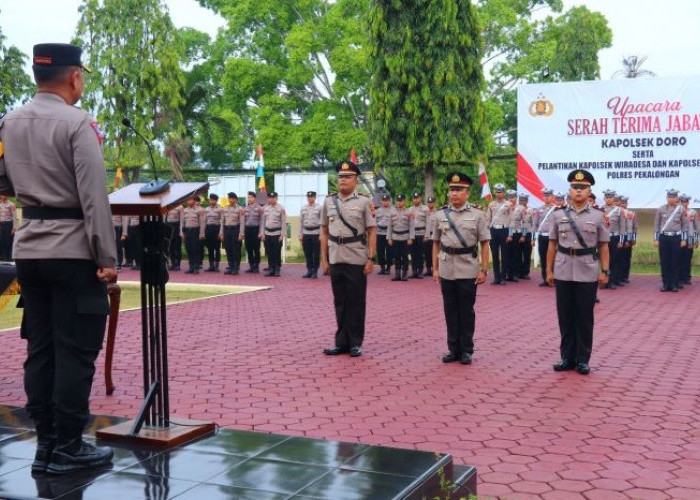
pixel 459 251
pixel 577 252
pixel 213 225
pixel 232 226
pixel 345 240
pixel 419 228
pixel 400 232
pixel 312 228
pixel 273 229
pixel 51 213
pixel 383 228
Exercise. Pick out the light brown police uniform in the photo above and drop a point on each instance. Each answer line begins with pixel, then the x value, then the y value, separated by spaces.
pixel 401 225
pixel 310 220
pixel 498 214
pixel 471 223
pixel 273 220
pixel 66 171
pixel 357 212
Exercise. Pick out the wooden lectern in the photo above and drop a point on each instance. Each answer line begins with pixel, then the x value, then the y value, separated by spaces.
pixel 153 425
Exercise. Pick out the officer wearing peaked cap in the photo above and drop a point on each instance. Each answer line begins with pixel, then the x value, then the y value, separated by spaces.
pixel 542 223
pixel 497 218
pixel 348 242
pixel 385 254
pixel 65 253
pixel 577 262
pixel 670 236
pixel 459 231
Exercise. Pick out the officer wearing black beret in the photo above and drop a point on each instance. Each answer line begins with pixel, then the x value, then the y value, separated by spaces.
pixel 65 253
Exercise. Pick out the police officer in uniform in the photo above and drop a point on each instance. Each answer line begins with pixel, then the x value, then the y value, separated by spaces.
pixel 617 226
pixel 630 238
pixel 428 240
pixel 172 219
pixel 65 254
pixel 192 231
pixel 253 212
pixel 419 214
pixel 497 218
pixel 458 232
pixel 8 226
pixel 687 253
pixel 577 263
pixel 400 235
pixel 131 236
pixel 233 218
pixel 542 222
pixel 310 234
pixel 513 239
pixel 213 232
pixel 385 254
pixel 273 225
pixel 670 236
pixel 348 242
pixel 525 241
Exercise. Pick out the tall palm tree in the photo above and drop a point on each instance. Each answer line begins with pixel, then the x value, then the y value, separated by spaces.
pixel 632 67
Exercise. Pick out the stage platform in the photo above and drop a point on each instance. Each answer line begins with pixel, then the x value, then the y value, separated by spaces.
pixel 233 464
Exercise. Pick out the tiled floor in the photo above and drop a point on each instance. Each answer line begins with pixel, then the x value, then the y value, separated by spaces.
pixel 229 465
pixel 253 362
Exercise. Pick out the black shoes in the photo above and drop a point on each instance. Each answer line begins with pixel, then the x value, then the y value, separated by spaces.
pixel 417 276
pixel 228 271
pixel 564 366
pixel 334 351
pixel 450 357
pixel 428 272
pixel 355 351
pixel 544 284
pixel 583 368
pixel 307 275
pixel 250 270
pixel 44 449
pixel 397 277
pixel 314 275
pixel 611 286
pixel 78 454
pixel 465 359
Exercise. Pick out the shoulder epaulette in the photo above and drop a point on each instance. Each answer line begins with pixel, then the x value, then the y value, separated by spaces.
pixel 363 194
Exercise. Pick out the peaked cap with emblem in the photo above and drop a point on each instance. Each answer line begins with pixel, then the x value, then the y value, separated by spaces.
pixel 347 167
pixel 581 176
pixel 671 193
pixel 58 54
pixel 683 197
pixel 499 188
pixel 524 196
pixel 547 191
pixel 511 193
pixel 458 179
pixel 559 195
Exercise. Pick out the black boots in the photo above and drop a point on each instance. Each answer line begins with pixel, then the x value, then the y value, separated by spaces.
pixel 75 455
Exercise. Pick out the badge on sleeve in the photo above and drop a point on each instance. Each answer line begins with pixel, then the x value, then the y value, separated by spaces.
pixel 96 127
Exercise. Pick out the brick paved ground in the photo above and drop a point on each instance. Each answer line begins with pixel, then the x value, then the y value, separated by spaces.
pixel 253 361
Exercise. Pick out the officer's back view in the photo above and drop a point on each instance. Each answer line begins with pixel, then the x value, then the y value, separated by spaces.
pixel 65 253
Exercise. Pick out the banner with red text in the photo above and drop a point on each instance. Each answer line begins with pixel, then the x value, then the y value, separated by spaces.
pixel 636 136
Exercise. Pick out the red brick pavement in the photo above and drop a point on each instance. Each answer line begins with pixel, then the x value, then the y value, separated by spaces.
pixel 253 361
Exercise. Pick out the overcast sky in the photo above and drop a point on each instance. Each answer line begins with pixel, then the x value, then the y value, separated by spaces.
pixel 663 31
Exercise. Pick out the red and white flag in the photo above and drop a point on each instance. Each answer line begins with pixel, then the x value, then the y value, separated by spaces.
pixel 484 181
pixel 353 156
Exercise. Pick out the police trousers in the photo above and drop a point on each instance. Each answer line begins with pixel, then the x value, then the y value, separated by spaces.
pixel 499 253
pixel 273 247
pixel 616 260
pixel 192 246
pixel 311 243
pixel 232 245
pixel 175 246
pixel 575 303
pixel 385 253
pixel 120 245
pixel 65 313
pixel 417 254
pixel 252 245
pixel 211 239
pixel 401 255
pixel 6 240
pixel 458 298
pixel 542 245
pixel 669 254
pixel 349 285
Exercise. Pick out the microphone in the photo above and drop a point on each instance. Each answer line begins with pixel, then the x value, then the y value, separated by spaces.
pixel 156 186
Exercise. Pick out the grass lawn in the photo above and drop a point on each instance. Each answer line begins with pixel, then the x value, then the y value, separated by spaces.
pixel 10 316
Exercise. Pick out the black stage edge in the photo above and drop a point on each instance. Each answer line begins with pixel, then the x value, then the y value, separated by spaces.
pixel 233 464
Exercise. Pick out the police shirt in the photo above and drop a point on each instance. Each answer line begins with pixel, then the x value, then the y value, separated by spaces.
pixel 174 214
pixel 542 219
pixel 498 214
pixel 234 215
pixel 310 220
pixel 420 218
pixel 193 217
pixel 401 225
pixel 383 216
pixel 471 224
pixel 357 212
pixel 670 221
pixel 213 215
pixel 274 220
pixel 53 158
pixel 616 221
pixel 252 215
pixel 8 213
pixel 591 224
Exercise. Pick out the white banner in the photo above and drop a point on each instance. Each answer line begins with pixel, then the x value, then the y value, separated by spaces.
pixel 636 136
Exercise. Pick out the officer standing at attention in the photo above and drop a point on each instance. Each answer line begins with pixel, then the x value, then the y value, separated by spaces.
pixel 541 223
pixel 253 212
pixel 617 226
pixel 131 238
pixel 272 228
pixel 513 239
pixel 670 236
pixel 173 219
pixel 428 240
pixel 385 254
pixel 578 243
pixel 687 253
pixel 419 213
pixel 65 254
pixel 310 234
pixel 192 231
pixel 630 238
pixel 213 232
pixel 459 230
pixel 8 226
pixel 400 235
pixel 525 242
pixel 348 242
pixel 233 218
pixel 118 223
pixel 497 216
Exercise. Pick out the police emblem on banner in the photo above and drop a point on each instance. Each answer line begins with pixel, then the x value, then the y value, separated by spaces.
pixel 541 107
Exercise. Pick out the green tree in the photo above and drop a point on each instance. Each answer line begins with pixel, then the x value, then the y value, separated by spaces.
pixel 15 84
pixel 426 105
pixel 295 76
pixel 135 53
